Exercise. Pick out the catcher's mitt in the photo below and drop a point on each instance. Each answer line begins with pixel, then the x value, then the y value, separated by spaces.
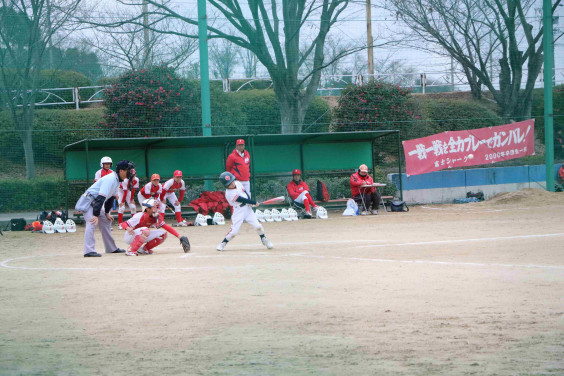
pixel 185 244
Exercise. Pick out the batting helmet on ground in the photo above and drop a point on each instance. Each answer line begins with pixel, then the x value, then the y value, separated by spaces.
pixel 226 178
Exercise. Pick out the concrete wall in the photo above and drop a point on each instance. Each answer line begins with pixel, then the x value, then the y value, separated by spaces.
pixel 445 186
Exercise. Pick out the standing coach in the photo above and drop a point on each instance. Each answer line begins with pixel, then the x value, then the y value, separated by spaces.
pixel 238 163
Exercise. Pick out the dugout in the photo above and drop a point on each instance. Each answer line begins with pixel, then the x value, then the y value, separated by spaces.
pixel 204 157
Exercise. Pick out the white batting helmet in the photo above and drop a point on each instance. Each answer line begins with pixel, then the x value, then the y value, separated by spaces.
pixel 59 226
pixel 70 226
pixel 260 215
pixel 106 160
pixel 285 215
pixel 200 220
pixel 321 213
pixel 48 227
pixel 276 215
pixel 268 216
pixel 293 214
pixel 218 219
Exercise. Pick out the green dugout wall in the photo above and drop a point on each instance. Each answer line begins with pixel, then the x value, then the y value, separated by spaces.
pixel 203 158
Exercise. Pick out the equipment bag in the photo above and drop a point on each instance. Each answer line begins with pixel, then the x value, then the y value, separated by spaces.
pixel 322 192
pixel 17 224
pixel 479 195
pixel 399 206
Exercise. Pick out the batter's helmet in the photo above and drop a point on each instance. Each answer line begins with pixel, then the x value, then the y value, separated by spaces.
pixel 226 178
pixel 178 173
pixel 240 142
pixel 296 172
pixel 155 177
pixel 105 160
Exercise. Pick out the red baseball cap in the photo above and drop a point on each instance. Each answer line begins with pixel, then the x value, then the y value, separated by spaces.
pixel 178 173
pixel 155 177
pixel 296 172
pixel 240 142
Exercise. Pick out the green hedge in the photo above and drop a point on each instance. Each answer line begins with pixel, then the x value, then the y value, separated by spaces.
pixel 442 115
pixel 53 130
pixel 538 110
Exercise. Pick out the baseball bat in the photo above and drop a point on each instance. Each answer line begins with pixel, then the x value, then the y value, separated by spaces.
pixel 274 200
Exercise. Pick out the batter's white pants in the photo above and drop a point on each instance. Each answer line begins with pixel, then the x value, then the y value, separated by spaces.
pixel 171 197
pixel 155 233
pixel 128 200
pixel 240 215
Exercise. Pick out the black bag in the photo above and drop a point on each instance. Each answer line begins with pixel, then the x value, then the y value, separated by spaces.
pixel 479 195
pixel 17 224
pixel 398 206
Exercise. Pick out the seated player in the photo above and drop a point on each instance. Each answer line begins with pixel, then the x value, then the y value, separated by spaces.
pixel 126 194
pixel 238 198
pixel 147 229
pixel 169 193
pixel 106 164
pixel 299 192
pixel 365 197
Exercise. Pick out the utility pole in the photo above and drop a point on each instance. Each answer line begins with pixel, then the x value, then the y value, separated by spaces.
pixel 146 48
pixel 548 48
pixel 369 40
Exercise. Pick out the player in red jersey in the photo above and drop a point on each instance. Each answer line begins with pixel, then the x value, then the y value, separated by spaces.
pixel 299 192
pixel 106 164
pixel 153 189
pixel 169 193
pixel 126 194
pixel 238 163
pixel 147 229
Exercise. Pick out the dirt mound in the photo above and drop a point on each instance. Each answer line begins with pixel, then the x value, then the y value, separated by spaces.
pixel 530 196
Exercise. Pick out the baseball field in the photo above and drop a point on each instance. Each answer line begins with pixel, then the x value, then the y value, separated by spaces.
pixel 473 289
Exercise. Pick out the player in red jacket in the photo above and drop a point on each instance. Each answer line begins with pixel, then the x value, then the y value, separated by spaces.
pixel 169 193
pixel 146 230
pixel 126 194
pixel 238 163
pixel 364 196
pixel 106 164
pixel 299 192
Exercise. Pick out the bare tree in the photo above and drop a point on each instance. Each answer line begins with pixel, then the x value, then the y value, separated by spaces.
pixel 224 58
pixel 272 30
pixel 129 46
pixel 475 31
pixel 27 28
pixel 249 61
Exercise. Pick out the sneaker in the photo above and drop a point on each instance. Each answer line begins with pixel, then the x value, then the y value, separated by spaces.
pixel 375 212
pixel 92 254
pixel 307 215
pixel 364 212
pixel 267 242
pixel 221 246
pixel 130 253
pixel 182 224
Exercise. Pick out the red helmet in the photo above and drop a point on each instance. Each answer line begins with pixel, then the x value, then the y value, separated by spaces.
pixel 155 177
pixel 240 142
pixel 178 173
pixel 296 172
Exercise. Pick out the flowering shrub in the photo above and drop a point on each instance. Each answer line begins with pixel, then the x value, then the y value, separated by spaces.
pixel 151 98
pixel 373 106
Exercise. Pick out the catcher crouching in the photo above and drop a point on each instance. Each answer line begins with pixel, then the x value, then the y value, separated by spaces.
pixel 147 229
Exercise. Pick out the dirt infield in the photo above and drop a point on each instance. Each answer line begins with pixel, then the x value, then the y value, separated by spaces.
pixel 471 289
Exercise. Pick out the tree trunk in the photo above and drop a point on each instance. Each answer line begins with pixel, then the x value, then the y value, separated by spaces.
pixel 291 115
pixel 27 139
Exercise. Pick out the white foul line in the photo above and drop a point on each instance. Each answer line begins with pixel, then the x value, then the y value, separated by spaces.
pixel 460 240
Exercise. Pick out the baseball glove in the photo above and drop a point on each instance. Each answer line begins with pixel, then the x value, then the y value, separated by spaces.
pixel 185 244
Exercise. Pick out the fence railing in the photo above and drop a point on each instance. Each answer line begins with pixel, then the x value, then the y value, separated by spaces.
pixel 422 82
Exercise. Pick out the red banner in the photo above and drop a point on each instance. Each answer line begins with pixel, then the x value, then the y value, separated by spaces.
pixel 469 148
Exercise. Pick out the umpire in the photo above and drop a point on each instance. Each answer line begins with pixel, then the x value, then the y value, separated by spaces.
pixel 96 204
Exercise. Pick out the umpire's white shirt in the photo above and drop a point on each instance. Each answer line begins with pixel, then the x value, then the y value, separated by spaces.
pixel 106 186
